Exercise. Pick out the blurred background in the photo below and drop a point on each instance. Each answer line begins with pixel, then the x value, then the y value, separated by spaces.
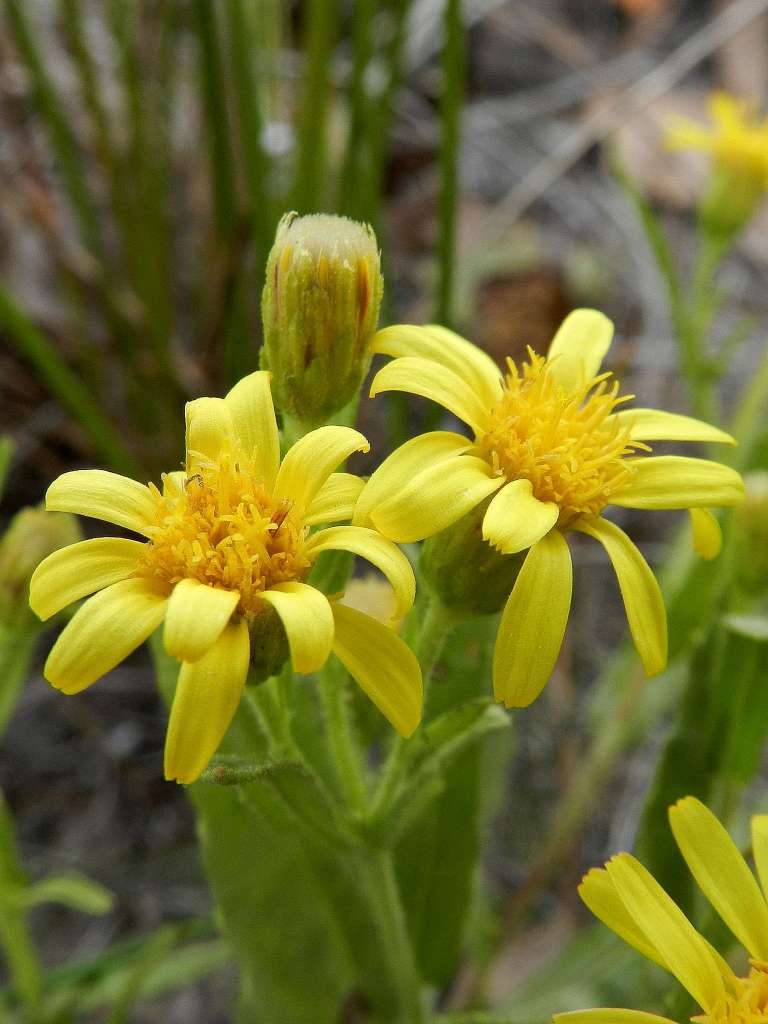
pixel 147 151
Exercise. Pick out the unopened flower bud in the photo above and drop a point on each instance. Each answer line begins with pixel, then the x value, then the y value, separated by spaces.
pixel 320 308
pixel 31 536
pixel 269 646
pixel 465 572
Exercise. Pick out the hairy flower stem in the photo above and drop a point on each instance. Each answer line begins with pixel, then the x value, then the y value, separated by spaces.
pixel 341 738
pixel 437 623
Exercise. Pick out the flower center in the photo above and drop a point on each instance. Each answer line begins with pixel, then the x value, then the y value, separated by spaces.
pixel 747 1004
pixel 561 440
pixel 221 527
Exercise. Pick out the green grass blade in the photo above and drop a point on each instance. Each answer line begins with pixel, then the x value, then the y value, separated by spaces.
pixel 450 121
pixel 64 384
pixel 356 170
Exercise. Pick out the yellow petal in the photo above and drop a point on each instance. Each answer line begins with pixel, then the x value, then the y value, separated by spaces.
pixel 310 462
pixel 657 425
pixel 399 468
pixel 435 498
pixel 643 603
pixel 335 500
pixel 173 483
pixel 195 618
pixel 306 617
pixel 206 698
pixel 80 569
pixel 448 349
pixel 760 848
pixel 674 481
pixel 579 347
pixel 609 1016
pixel 721 873
pixel 209 429
pixel 102 495
pixel 726 111
pixel 533 623
pixel 103 631
pixel 600 895
pixel 684 134
pixel 707 535
pixel 515 519
pixel 379 552
pixel 684 951
pixel 382 665
pixel 253 417
pixel 431 380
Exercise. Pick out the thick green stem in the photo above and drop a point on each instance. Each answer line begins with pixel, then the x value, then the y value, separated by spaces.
pixel 341 737
pixel 390 924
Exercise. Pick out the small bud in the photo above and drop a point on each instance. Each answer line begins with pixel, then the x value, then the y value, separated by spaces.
pixel 269 646
pixel 730 201
pixel 465 572
pixel 320 309
pixel 32 535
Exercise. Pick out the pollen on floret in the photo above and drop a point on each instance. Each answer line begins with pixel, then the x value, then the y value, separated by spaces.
pixel 745 1003
pixel 560 439
pixel 220 526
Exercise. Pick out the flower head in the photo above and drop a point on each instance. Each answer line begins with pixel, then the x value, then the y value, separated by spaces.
pixel 626 897
pixel 552 448
pixel 31 535
pixel 320 308
pixel 228 546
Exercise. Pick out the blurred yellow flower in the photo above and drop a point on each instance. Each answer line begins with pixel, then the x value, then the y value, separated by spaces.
pixel 551 448
pixel 227 540
pixel 626 897
pixel 737 140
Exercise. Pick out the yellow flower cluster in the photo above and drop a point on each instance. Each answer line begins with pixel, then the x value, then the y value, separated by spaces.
pixel 229 541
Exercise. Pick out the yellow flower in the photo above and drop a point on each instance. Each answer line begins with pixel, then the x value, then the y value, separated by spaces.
pixel 552 450
pixel 227 541
pixel 626 897
pixel 737 140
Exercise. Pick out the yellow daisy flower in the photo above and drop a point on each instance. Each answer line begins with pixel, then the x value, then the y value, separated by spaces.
pixel 552 450
pixel 227 540
pixel 626 897
pixel 737 141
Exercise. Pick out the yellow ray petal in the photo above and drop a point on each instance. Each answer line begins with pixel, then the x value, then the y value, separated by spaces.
pixel 206 698
pixel 657 425
pixel 609 1016
pixel 102 495
pixel 533 623
pixel 515 519
pixel 684 951
pixel 435 498
pixel 173 483
pixel 106 629
pixel 382 665
pixel 399 468
pixel 335 500
pixel 448 349
pixel 431 380
pixel 721 873
pixel 579 347
pixel 600 895
pixel 727 111
pixel 379 552
pixel 80 569
pixel 209 429
pixel 306 617
pixel 310 462
pixel 195 618
pixel 643 603
pixel 760 848
pixel 253 417
pixel 674 481
pixel 707 535
pixel 684 134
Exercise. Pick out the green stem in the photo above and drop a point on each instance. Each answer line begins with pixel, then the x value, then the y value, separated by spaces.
pixel 15 937
pixel 435 627
pixel 268 702
pixel 341 738
pixel 450 117
pixel 391 926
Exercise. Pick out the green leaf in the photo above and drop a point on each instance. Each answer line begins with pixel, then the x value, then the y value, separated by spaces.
pixel 6 455
pixel 753 627
pixel 71 890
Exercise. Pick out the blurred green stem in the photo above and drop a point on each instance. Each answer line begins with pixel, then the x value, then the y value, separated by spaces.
pixel 23 962
pixel 450 121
